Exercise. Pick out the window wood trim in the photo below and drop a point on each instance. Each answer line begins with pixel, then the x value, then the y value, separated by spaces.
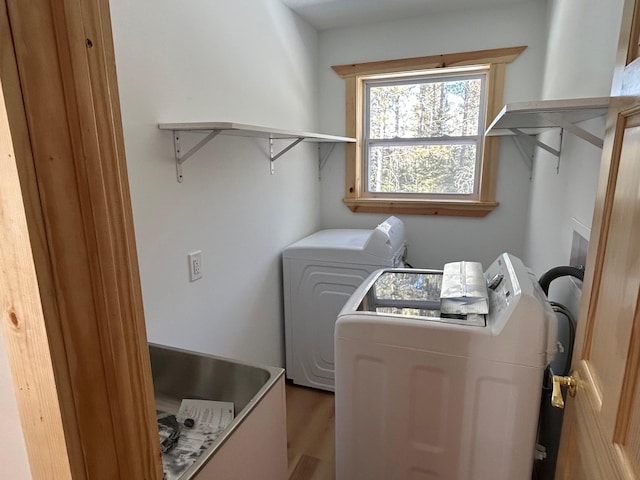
pixel 354 74
pixel 478 57
pixel 422 207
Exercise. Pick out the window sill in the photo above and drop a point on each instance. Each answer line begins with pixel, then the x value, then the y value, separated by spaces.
pixel 458 208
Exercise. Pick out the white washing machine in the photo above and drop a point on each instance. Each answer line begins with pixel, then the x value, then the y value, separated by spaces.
pixel 320 272
pixel 420 395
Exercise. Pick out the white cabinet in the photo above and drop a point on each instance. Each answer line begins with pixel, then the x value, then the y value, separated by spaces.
pixel 257 449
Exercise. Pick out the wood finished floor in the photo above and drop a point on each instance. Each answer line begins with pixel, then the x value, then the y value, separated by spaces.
pixel 310 433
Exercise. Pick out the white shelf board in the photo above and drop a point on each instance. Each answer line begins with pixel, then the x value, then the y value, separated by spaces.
pixel 242 130
pixel 523 121
pixel 533 118
pixel 212 129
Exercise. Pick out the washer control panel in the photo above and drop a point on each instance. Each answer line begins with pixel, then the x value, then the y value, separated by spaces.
pixel 502 283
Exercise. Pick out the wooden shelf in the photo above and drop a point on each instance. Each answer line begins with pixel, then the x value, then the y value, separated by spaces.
pixel 212 129
pixel 523 121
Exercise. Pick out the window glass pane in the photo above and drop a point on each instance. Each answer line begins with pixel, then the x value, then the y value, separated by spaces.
pixel 435 169
pixel 425 108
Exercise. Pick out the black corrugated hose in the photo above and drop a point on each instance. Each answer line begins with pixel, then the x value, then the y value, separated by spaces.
pixel 559 308
pixel 576 271
pixel 546 435
pixel 557 272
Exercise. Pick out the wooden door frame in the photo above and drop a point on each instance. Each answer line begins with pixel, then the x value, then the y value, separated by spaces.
pixel 70 296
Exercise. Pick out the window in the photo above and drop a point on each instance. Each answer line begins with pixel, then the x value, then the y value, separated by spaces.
pixel 423 135
pixel 419 125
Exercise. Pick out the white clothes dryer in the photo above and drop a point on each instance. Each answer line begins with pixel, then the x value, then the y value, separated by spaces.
pixel 320 272
pixel 422 395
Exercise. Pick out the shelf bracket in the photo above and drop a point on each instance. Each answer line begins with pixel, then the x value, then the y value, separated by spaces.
pixel 180 157
pixel 573 128
pixel 323 157
pixel 273 157
pixel 534 141
pixel 526 156
pixel 558 162
pixel 529 156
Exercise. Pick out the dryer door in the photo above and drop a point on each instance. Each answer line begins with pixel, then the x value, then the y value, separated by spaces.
pixel 318 294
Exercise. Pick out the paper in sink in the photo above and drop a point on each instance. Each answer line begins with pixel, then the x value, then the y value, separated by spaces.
pixel 464 289
pixel 210 420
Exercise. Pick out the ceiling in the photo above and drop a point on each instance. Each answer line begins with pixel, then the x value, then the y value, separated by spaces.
pixel 327 14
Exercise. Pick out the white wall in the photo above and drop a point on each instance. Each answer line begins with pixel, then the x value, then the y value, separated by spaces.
pixel 583 38
pixel 13 451
pixel 435 240
pixel 246 61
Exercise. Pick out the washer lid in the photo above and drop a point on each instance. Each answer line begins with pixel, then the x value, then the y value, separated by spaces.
pixel 414 294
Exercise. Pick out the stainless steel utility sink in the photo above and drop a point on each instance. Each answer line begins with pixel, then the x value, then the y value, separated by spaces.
pixel 179 374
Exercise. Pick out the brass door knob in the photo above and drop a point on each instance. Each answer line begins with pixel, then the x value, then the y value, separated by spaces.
pixel 571 382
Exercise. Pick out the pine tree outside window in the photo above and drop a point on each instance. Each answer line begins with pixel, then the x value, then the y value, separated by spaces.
pixel 423 135
pixel 419 125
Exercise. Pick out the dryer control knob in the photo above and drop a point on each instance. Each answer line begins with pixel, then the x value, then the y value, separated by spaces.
pixel 495 281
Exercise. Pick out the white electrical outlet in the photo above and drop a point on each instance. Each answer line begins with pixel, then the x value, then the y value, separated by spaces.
pixel 195 265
